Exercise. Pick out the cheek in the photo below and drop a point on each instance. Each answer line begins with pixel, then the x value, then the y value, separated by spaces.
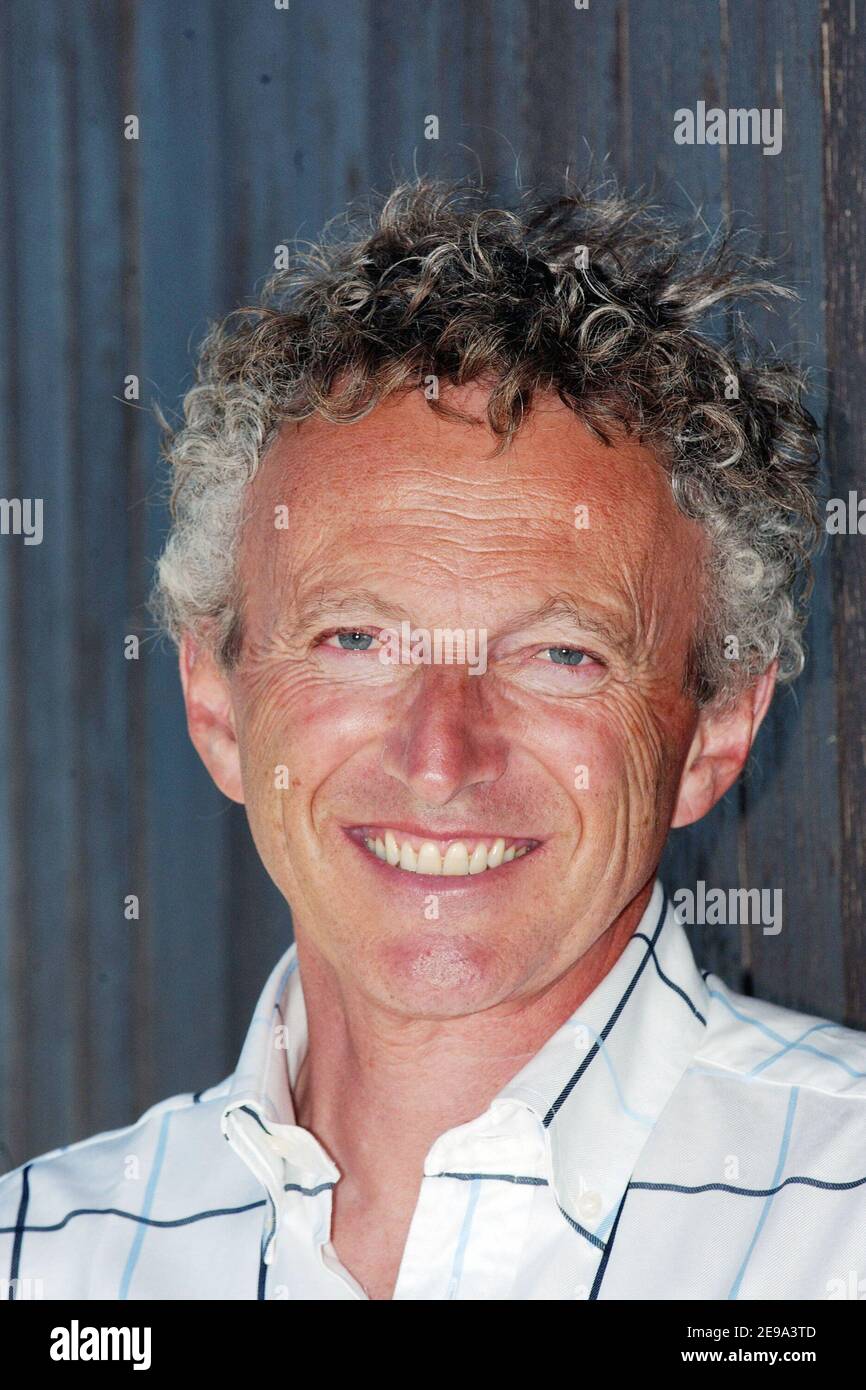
pixel 295 733
pixel 606 751
pixel 647 740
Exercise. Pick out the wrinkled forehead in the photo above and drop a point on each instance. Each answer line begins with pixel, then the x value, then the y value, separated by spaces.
pixel 406 494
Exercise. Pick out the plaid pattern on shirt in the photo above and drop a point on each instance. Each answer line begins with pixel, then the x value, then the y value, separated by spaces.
pixel 671 1140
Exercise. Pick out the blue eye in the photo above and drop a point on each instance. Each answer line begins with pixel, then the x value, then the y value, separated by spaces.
pixel 355 641
pixel 566 656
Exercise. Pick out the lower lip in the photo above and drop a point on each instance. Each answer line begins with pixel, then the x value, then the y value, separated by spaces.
pixel 439 883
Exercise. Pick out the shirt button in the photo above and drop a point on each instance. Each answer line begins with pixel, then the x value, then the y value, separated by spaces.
pixel 589 1206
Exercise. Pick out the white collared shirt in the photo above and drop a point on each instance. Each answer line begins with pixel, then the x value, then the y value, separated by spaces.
pixel 671 1140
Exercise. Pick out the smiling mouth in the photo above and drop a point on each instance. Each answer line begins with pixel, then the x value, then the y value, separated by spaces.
pixel 450 857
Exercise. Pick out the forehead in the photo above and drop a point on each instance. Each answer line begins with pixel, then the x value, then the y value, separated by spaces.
pixel 405 493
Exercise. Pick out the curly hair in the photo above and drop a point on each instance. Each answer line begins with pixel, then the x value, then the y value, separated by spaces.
pixel 590 295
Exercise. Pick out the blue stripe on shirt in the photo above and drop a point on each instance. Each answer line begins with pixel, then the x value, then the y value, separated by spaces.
pixel 152 1182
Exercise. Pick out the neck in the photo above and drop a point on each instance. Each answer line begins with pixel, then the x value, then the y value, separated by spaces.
pixel 378 1088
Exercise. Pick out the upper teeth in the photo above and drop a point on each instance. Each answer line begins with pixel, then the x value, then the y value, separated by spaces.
pixel 458 859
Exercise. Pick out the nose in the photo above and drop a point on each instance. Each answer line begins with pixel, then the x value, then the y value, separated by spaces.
pixel 445 740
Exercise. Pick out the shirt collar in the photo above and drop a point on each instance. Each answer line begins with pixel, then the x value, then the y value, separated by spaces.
pixel 597 1086
pixel 274 1046
pixel 600 1083
pixel 258 1119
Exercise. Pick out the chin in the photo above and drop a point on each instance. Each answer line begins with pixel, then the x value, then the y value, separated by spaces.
pixel 433 971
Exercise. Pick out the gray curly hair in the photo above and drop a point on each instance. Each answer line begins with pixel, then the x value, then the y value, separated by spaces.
pixel 592 296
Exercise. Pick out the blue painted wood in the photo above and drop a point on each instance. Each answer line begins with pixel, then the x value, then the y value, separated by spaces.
pixel 844 211
pixel 12 1044
pixel 791 827
pixel 180 175
pixel 258 125
pixel 43 735
pixel 102 504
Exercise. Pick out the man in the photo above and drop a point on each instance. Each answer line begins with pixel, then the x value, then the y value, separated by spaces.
pixel 484 568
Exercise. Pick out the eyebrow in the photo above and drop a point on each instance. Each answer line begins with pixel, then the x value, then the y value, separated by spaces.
pixel 328 604
pixel 560 608
pixel 563 608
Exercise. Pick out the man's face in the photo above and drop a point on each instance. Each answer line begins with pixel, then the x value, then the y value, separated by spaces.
pixel 571 561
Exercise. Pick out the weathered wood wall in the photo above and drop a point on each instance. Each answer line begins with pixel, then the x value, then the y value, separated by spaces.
pixel 258 124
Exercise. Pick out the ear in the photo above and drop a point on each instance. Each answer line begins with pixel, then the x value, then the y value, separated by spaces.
pixel 210 716
pixel 720 748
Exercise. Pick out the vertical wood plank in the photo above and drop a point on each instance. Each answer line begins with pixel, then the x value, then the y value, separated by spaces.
pixel 790 824
pixel 44 730
pixel 843 62
pixel 569 108
pixel 183 250
pixel 128 321
pixel 13 1117
pixel 103 508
